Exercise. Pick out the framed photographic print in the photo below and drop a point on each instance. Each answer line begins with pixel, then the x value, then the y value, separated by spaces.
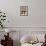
pixel 23 10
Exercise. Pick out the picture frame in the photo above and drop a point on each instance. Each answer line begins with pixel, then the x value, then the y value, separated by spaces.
pixel 23 10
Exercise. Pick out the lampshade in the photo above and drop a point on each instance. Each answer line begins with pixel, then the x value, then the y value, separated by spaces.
pixel 7 30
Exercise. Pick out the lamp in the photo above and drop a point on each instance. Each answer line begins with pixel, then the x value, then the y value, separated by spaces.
pixel 7 31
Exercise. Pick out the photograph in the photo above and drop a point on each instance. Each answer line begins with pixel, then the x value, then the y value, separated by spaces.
pixel 23 10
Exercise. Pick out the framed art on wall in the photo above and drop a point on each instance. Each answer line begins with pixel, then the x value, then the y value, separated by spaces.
pixel 23 10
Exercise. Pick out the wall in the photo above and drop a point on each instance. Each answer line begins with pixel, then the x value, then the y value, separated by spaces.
pixel 35 21
pixel 35 18
pixel 38 13
pixel 12 9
